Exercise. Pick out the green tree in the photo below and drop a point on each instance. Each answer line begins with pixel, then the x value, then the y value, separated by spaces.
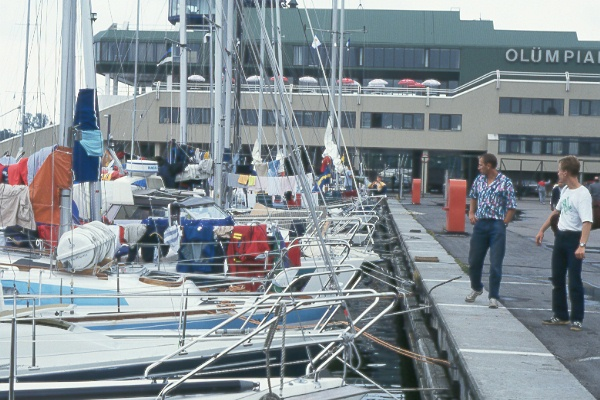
pixel 34 122
pixel 5 134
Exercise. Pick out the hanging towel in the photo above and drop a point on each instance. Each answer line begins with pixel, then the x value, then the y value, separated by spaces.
pixel 243 179
pixel 251 180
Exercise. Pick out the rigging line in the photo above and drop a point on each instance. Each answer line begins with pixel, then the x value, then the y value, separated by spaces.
pixel 288 131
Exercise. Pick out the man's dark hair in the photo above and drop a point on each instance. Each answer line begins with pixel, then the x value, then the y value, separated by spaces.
pixel 491 159
pixel 570 164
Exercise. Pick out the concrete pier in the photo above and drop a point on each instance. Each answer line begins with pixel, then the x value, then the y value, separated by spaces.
pixel 503 353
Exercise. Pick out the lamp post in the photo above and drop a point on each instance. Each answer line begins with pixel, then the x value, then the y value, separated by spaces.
pixel 424 161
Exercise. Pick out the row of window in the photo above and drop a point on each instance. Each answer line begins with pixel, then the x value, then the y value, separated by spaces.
pixel 518 105
pixel 249 117
pixel 147 52
pixel 411 121
pixel 378 57
pixel 577 107
pixel 557 146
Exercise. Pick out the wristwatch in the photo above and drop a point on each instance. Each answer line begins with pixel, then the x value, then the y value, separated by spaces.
pixel 581 244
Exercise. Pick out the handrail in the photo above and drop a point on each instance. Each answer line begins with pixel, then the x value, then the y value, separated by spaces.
pixel 359 90
pixel 370 294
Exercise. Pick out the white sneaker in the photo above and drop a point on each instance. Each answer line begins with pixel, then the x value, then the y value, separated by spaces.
pixel 493 303
pixel 473 295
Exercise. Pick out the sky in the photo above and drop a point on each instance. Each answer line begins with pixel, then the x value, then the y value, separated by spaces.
pixel 43 76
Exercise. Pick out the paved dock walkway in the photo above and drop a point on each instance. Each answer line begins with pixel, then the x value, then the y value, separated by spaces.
pixel 505 353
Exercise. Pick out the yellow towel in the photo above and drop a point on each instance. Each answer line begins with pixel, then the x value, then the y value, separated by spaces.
pixel 243 180
pixel 251 180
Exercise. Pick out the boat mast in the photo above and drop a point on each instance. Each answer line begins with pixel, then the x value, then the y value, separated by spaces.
pixel 218 111
pixel 261 67
pixel 340 77
pixel 67 99
pixel 24 121
pixel 182 72
pixel 90 83
pixel 135 80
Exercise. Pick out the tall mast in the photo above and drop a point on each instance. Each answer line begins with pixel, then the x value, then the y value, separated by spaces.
pixel 183 73
pixel 135 79
pixel 24 125
pixel 218 111
pixel 340 77
pixel 67 98
pixel 90 83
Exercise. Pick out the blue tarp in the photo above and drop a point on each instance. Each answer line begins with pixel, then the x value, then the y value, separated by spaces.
pixel 87 152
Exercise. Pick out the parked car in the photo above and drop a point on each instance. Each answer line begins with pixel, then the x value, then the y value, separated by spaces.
pixel 528 187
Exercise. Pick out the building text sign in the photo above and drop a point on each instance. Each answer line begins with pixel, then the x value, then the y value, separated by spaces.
pixel 548 56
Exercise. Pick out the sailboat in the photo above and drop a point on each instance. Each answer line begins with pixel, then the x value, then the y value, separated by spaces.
pixel 169 352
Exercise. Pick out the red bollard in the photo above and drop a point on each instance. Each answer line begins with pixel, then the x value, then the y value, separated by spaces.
pixel 455 208
pixel 416 191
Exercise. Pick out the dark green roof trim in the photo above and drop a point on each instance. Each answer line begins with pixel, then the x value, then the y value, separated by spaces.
pixel 383 28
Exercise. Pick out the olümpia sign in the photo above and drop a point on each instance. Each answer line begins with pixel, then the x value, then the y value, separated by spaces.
pixel 547 56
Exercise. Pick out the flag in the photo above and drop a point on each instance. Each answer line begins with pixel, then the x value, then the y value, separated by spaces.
pixel 316 42
pixel 324 179
pixel 167 57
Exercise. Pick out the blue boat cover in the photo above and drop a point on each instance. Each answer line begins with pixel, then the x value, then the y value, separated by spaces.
pixel 87 152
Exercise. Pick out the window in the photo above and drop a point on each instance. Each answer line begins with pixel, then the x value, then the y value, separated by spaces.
pixel 298 55
pixel 388 58
pixel 195 116
pixel 517 105
pixel 445 122
pixel 556 146
pixel 587 108
pixel 392 121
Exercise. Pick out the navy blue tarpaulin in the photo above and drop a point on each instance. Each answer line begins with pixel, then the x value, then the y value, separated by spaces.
pixel 88 150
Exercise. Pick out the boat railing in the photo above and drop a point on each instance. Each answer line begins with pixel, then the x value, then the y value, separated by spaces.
pixel 342 338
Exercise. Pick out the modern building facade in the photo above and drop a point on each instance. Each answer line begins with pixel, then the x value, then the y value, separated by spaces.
pixel 529 97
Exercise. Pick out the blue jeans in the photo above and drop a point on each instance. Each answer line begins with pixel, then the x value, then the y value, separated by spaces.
pixel 563 260
pixel 487 234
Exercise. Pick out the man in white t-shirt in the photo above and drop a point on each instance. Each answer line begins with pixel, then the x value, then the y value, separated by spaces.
pixel 574 225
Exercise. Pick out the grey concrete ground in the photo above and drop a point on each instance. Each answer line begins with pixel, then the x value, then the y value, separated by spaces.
pixel 526 290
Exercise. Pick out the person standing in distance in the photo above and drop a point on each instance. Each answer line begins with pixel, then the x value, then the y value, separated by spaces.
pixel 574 225
pixel 492 207
pixel 595 189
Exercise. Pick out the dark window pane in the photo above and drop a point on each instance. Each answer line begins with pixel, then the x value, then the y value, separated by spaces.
pixel 515 106
pixel 504 105
pixel 365 120
pixel 445 58
pixel 526 106
pixel 434 122
pixel 455 59
pixel 419 58
pixel 559 106
pixel 409 58
pixel 408 121
pixel 397 121
pixel 434 58
pixel 387 120
pixel 388 61
pixel 378 57
pixel 445 122
pixel 376 120
pixel 369 57
pixel 536 106
pixel 573 107
pixel 419 121
pixel 456 121
pixel 399 58
pixel 595 108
